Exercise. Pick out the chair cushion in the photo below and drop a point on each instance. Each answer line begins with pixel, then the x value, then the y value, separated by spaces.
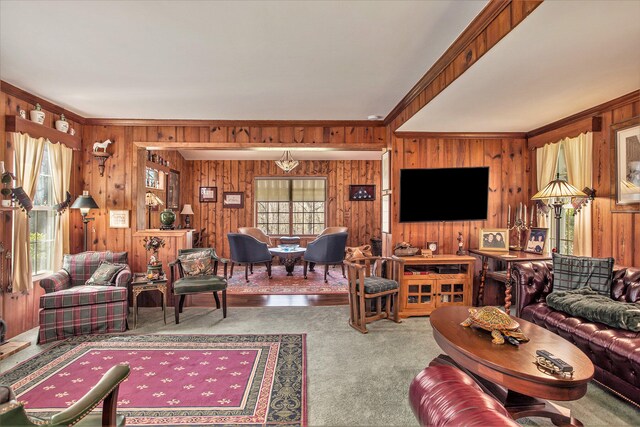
pixel 197 263
pixel 81 266
pixel 105 273
pixel 374 285
pixel 572 272
pixel 194 285
pixel 83 295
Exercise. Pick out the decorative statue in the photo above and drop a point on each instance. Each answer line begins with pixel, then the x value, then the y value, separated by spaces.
pixel 460 245
pixel 102 145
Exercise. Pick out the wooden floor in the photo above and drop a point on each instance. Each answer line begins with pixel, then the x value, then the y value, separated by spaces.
pixel 206 300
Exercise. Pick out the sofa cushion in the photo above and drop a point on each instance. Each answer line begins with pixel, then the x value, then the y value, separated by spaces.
pixel 81 266
pixel 105 273
pixel 196 263
pixel 572 272
pixel 83 295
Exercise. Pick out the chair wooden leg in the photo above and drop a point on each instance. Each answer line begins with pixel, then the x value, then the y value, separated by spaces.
pixel 109 408
pixel 396 311
pixel 176 306
pixel 326 270
pixel 387 307
pixel 231 271
pixel 363 315
pixel 378 305
pixel 215 295
pixel 182 298
pixel 269 269
pixel 304 269
pixel 251 268
pixel 246 272
pixel 224 304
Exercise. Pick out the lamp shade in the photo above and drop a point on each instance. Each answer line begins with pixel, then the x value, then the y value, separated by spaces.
pixel 556 189
pixel 151 199
pixel 187 210
pixel 84 203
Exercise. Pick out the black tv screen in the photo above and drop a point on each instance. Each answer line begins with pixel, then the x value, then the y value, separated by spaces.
pixel 447 194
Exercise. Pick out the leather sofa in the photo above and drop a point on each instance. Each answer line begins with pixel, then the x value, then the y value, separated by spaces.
pixel 614 352
pixel 442 395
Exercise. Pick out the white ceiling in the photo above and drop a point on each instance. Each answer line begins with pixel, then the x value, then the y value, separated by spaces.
pixel 226 60
pixel 277 154
pixel 566 57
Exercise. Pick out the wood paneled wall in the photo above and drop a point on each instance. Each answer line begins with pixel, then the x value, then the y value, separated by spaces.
pixel 362 218
pixel 509 183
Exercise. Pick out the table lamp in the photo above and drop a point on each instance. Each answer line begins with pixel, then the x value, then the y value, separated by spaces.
pixel 151 200
pixel 85 203
pixel 555 194
pixel 186 211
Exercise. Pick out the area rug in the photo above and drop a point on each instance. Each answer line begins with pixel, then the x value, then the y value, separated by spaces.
pixel 175 379
pixel 281 284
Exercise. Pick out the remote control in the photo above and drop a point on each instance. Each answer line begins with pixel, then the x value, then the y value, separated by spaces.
pixel 556 361
pixel 511 340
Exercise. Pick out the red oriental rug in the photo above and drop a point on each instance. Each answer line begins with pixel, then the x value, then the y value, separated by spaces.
pixel 175 379
pixel 281 284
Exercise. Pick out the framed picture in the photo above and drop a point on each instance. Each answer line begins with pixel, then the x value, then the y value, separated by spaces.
pixel 627 139
pixel 386 170
pixel 208 194
pixel 233 200
pixel 494 239
pixel 118 219
pixel 536 240
pixel 386 213
pixel 362 193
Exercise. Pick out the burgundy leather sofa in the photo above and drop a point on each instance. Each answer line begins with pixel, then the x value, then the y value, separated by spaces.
pixel 441 395
pixel 614 352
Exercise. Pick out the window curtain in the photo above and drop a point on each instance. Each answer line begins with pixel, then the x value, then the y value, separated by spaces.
pixel 578 153
pixel 28 154
pixel 60 158
pixel 546 164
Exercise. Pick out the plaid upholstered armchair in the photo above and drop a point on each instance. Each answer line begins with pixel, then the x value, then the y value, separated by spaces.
pixel 74 303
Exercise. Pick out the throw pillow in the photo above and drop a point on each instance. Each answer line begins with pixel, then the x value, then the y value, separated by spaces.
pixel 105 273
pixel 573 272
pixel 358 252
pixel 196 263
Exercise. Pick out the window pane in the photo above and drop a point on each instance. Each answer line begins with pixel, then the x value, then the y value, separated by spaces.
pixel 41 236
pixel 284 228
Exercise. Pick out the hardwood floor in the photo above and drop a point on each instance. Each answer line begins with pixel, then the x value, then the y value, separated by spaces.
pixel 206 300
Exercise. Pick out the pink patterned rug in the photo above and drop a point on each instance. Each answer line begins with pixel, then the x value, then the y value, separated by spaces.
pixel 175 379
pixel 281 284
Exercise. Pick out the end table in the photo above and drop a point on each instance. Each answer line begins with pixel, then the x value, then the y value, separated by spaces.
pixel 140 283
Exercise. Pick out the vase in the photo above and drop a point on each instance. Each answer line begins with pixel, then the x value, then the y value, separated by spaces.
pixel 167 218
pixel 37 115
pixel 62 125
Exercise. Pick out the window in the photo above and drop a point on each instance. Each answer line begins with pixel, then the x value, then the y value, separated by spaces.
pixel 41 220
pixel 290 206
pixel 568 215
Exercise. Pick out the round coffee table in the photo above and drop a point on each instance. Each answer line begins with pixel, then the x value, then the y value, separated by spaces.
pixel 509 372
pixel 288 255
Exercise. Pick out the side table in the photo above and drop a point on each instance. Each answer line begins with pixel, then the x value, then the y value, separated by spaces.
pixel 140 284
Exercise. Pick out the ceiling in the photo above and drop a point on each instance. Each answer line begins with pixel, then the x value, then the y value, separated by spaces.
pixel 566 57
pixel 250 60
pixel 276 154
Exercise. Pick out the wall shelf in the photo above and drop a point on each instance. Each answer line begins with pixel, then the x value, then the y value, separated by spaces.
pixel 35 130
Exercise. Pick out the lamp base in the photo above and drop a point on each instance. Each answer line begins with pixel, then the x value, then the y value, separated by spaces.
pixel 167 227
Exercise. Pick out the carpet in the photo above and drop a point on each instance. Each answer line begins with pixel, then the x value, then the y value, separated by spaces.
pixel 175 379
pixel 281 284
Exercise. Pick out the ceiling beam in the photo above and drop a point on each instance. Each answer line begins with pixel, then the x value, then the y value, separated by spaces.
pixel 235 123
pixel 459 135
pixel 173 145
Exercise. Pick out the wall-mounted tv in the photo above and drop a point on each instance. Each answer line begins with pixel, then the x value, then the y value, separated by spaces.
pixel 446 194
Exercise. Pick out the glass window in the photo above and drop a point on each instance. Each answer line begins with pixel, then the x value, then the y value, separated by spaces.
pixel 568 214
pixel 41 220
pixel 293 206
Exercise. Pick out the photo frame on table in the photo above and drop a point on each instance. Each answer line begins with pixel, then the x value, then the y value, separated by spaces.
pixel 233 199
pixel 626 136
pixel 362 193
pixel 119 219
pixel 494 239
pixel 536 240
pixel 208 194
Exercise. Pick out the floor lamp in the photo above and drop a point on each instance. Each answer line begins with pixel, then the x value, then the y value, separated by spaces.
pixel 555 194
pixel 85 203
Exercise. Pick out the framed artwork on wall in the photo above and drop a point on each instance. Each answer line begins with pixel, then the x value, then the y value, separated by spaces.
pixel 232 199
pixel 386 213
pixel 208 194
pixel 362 193
pixel 626 136
pixel 119 219
pixel 494 239
pixel 386 171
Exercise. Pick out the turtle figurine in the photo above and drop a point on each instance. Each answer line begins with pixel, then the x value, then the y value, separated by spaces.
pixel 495 321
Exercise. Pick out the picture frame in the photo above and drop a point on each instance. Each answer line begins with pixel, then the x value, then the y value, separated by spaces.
pixel 536 240
pixel 626 137
pixel 208 194
pixel 386 213
pixel 119 218
pixel 494 239
pixel 231 199
pixel 386 170
pixel 362 193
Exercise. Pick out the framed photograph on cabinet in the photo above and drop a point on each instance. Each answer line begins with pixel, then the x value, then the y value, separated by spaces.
pixel 494 239
pixel 233 200
pixel 386 171
pixel 627 142
pixel 208 194
pixel 118 219
pixel 536 240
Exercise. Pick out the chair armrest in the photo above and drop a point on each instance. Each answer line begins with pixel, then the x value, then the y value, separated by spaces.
pixel 534 281
pixel 56 282
pixel 106 389
pixel 123 277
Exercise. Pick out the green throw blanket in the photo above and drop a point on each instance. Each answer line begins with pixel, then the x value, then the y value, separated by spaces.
pixel 589 304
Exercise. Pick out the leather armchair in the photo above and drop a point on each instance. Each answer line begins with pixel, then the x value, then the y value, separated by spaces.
pixel 248 250
pixel 256 233
pixel 12 412
pixel 333 230
pixel 328 250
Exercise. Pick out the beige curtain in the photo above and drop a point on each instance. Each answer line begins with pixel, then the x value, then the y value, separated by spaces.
pixel 60 158
pixel 546 164
pixel 578 153
pixel 28 153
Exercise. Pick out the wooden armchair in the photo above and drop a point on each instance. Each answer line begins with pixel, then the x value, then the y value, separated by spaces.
pixel 367 283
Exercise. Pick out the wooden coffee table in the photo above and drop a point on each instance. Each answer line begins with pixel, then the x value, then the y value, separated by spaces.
pixel 509 372
pixel 288 255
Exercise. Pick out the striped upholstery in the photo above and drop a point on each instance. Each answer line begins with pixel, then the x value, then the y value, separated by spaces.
pixel 83 295
pixel 81 266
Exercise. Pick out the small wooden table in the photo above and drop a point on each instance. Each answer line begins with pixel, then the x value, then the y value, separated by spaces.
pixel 140 284
pixel 521 384
pixel 288 255
pixel 504 277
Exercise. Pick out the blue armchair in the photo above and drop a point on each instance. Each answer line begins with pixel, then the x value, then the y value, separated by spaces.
pixel 328 250
pixel 248 250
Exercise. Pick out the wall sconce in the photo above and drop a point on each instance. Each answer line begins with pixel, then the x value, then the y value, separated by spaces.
pixel 101 156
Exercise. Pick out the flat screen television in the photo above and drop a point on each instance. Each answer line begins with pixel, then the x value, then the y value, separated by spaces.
pixel 446 194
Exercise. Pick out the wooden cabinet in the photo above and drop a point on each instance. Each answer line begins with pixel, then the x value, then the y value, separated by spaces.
pixel 429 283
